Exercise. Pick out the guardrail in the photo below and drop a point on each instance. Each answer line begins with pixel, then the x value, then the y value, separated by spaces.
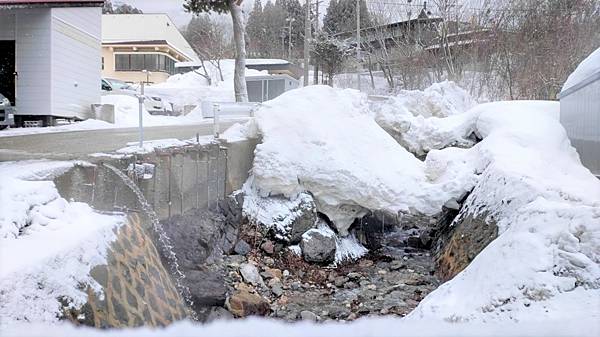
pixel 228 109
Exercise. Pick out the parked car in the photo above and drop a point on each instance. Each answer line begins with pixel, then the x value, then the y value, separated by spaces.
pixel 7 113
pixel 152 103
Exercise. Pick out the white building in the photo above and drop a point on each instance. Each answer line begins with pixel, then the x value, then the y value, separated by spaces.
pixel 580 111
pixel 50 57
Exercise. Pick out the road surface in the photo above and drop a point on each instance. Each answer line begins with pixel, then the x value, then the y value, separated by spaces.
pixel 79 144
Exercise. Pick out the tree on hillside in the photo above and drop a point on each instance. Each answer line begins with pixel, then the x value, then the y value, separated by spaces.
pixel 235 9
pixel 256 29
pixel 108 8
pixel 341 16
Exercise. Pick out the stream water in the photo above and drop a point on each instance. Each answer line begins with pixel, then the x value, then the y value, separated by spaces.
pixel 163 238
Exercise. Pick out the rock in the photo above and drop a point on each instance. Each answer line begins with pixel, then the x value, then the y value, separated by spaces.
pixel 243 303
pixel 317 246
pixel 267 247
pixel 295 218
pixel 276 287
pixel 218 314
pixel 242 248
pixel 207 287
pixel 426 239
pixel 365 263
pixel 308 316
pixel 272 273
pixel 397 265
pixel 269 261
pixel 354 276
pixel 250 274
pixel 286 273
pixel 350 285
pixel 414 241
pixel 340 281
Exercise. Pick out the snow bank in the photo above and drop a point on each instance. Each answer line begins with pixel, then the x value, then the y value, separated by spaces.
pixel 192 88
pixel 545 264
pixel 322 140
pixel 585 69
pixel 580 326
pixel 431 119
pixel 48 245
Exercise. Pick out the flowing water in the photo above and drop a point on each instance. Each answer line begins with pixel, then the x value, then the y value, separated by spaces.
pixel 163 238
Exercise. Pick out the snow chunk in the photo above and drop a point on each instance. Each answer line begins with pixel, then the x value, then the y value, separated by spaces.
pixel 587 68
pixel 431 119
pixel 322 140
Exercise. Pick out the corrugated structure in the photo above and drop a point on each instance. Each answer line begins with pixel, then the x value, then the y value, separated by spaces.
pixel 580 115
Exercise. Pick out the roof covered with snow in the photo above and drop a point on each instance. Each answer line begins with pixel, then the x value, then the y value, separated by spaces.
pixel 119 28
pixel 588 70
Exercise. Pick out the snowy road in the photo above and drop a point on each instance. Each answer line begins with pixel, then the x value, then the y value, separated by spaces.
pixel 76 144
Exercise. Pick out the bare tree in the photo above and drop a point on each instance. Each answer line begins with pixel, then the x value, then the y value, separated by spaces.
pixel 209 38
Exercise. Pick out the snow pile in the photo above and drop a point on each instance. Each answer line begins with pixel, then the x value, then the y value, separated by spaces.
pixel 545 263
pixel 191 88
pixel 587 68
pixel 48 245
pixel 127 111
pixel 425 120
pixel 322 140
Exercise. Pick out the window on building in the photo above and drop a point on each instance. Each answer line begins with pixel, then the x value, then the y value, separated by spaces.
pixel 137 61
pixel 151 62
pixel 122 62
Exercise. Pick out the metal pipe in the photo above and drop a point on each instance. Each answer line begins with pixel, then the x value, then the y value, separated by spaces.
pixel 141 100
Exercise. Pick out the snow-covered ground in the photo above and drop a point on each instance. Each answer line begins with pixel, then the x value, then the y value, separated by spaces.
pixel 48 245
pixel 365 327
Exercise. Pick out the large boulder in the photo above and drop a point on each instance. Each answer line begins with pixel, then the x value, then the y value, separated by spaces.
pixel 285 219
pixel 318 245
pixel 460 241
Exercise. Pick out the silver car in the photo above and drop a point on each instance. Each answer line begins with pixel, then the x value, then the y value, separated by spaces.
pixel 7 113
pixel 114 86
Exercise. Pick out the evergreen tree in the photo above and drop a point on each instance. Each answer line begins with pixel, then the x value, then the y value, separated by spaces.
pixel 341 16
pixel 256 29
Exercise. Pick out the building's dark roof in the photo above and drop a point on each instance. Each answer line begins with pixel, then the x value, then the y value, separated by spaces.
pixel 49 3
pixel 149 42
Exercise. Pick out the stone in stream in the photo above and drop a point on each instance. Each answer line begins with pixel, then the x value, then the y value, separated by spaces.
pixel 244 303
pixel 242 248
pixel 251 275
pixel 308 316
pixel 318 246
pixel 268 247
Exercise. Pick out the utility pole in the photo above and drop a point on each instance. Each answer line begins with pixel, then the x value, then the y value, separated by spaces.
pixel 290 20
pixel 316 71
pixel 358 41
pixel 306 42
